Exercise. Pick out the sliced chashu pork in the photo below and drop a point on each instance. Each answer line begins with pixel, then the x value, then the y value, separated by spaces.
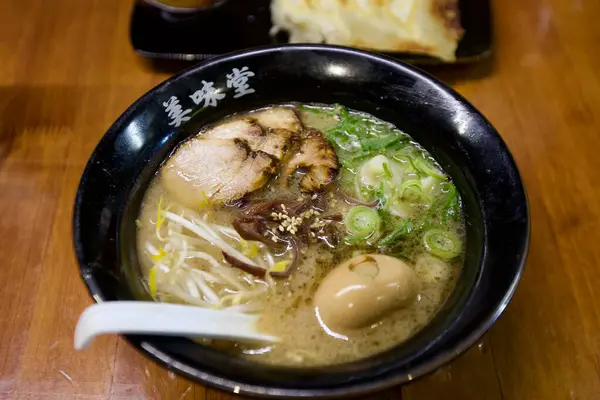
pixel 316 155
pixel 269 130
pixel 277 118
pixel 271 141
pixel 217 170
pixel 238 157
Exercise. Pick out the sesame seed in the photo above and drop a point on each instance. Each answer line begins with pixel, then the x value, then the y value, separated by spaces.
pixel 313 234
pixel 274 238
pixel 281 228
pixel 265 233
pixel 314 196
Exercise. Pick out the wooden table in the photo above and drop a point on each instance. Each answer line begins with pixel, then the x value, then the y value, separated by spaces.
pixel 67 71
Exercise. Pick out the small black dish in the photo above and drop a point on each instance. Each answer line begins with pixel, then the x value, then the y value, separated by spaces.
pixel 241 24
pixel 455 133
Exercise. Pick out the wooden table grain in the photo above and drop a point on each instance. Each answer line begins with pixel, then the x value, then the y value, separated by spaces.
pixel 67 71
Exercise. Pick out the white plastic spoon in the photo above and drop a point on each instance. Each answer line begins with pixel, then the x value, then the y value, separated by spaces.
pixel 148 318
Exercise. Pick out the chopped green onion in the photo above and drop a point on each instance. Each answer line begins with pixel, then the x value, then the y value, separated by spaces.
pixel 443 244
pixel 413 192
pixel 342 112
pixel 383 142
pixel 386 170
pixel 380 195
pixel 353 162
pixel 363 222
pixel 428 168
pixel 451 208
pixel 400 232
pixel 357 133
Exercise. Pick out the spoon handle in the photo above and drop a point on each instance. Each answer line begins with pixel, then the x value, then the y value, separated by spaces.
pixel 149 318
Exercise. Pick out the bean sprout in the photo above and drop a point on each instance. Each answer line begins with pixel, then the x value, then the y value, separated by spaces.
pixel 208 293
pixel 182 255
pixel 208 236
pixel 204 256
pixel 151 249
pixel 187 268
pixel 207 276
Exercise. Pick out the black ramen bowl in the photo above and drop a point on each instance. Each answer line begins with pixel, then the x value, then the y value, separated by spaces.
pixel 455 133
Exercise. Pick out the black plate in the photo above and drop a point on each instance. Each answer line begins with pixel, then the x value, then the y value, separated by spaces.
pixel 241 24
pixel 453 131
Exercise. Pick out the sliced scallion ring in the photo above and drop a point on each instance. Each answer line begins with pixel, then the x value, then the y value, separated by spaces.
pixel 443 244
pixel 363 222
pixel 412 192
pixel 428 168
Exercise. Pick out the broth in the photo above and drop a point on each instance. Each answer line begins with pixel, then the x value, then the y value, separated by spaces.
pixel 418 220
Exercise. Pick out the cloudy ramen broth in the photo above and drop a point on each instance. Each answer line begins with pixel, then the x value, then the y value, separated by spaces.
pixel 287 212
